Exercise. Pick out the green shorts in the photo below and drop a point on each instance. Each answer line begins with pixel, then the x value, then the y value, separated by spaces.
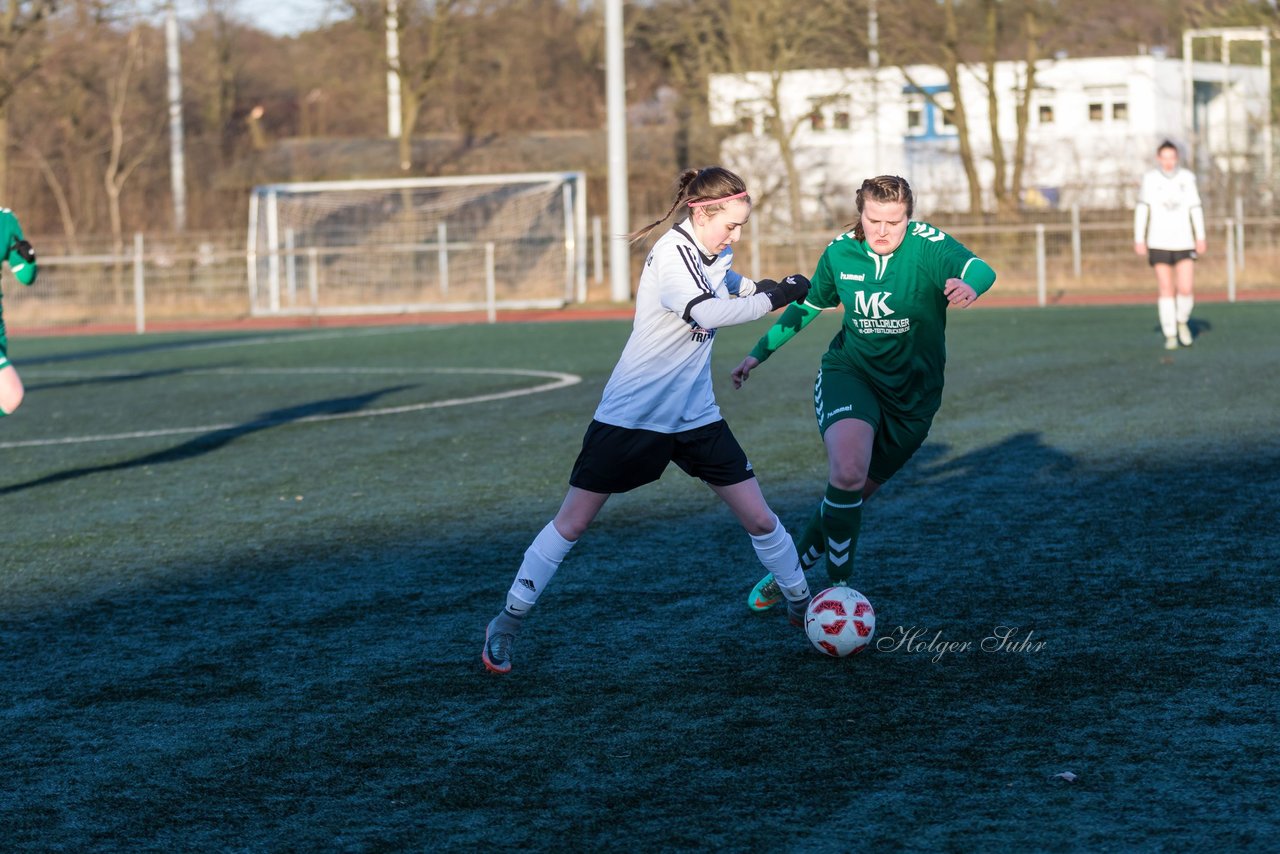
pixel 839 393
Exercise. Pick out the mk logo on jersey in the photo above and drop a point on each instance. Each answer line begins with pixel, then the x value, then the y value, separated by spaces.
pixel 852 277
pixel 873 306
pixel 928 232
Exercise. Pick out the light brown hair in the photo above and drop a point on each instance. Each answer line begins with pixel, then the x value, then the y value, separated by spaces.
pixel 884 189
pixel 700 185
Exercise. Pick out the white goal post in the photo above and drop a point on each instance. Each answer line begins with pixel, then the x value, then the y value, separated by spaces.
pixel 403 245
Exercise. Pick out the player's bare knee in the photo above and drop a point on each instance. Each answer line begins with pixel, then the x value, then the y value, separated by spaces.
pixel 11 399
pixel 758 525
pixel 570 528
pixel 848 479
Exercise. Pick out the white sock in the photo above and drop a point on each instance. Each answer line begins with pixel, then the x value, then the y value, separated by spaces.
pixel 777 551
pixel 1184 303
pixel 1168 316
pixel 541 560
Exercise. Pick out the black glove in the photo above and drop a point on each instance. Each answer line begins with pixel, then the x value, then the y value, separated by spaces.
pixel 792 288
pixel 24 249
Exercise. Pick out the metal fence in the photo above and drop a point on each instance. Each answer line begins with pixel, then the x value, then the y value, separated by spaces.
pixel 1074 261
pixel 155 278
pixel 163 279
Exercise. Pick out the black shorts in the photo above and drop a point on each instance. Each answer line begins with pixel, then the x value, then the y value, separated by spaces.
pixel 618 459
pixel 1169 256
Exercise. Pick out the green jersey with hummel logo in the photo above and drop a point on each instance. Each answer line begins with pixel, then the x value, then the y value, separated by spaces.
pixel 895 312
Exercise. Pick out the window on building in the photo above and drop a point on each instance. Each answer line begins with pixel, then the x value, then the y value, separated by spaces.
pixel 817 121
pixel 746 117
pixel 915 120
pixel 1120 111
pixel 1095 111
pixel 1046 114
pixel 841 120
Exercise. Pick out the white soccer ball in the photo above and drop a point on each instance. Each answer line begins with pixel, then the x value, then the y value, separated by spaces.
pixel 840 621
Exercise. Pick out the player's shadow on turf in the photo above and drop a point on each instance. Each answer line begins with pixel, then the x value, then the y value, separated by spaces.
pixel 215 439
pixel 1021 457
pixel 1001 485
pixel 111 379
pixel 137 349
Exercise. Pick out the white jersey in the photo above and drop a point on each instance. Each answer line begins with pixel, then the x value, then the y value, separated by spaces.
pixel 662 381
pixel 1168 215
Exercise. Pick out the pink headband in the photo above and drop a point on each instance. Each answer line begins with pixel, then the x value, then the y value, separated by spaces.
pixel 717 201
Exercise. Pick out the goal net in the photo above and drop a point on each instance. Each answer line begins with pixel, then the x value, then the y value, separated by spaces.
pixel 419 244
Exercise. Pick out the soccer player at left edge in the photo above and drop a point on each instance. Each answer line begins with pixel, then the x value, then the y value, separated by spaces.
pixel 22 261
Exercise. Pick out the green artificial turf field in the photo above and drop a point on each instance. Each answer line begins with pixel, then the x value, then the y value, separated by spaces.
pixel 246 579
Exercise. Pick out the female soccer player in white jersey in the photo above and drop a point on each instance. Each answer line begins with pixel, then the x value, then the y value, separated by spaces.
pixel 1168 227
pixel 658 406
pixel 881 379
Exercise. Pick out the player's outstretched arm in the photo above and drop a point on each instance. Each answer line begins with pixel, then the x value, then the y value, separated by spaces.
pixel 711 313
pixel 743 371
pixel 797 316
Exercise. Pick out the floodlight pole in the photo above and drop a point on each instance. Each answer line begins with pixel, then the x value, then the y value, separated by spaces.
pixel 616 107
pixel 873 60
pixel 393 69
pixel 177 166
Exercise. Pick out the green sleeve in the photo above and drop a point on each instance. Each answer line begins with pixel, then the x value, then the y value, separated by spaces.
pixel 11 232
pixel 957 261
pixel 795 317
pixel 978 275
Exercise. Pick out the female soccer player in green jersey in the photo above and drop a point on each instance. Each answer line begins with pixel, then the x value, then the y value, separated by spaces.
pixel 880 381
pixel 22 261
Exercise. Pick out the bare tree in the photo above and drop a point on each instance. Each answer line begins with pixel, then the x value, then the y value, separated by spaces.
pixel 1007 178
pixel 544 74
pixel 22 42
pixel 947 44
pixel 118 168
pixel 970 40
pixel 427 32
pixel 56 187
pixel 762 39
pixel 132 138
pixel 217 66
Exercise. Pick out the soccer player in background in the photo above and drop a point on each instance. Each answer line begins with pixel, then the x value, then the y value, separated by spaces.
pixel 22 261
pixel 880 381
pixel 1168 227
pixel 658 406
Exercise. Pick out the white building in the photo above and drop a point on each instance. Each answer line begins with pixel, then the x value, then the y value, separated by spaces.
pixel 1093 128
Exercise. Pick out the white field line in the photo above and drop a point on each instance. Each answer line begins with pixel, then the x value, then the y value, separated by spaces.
pixel 306 336
pixel 558 380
